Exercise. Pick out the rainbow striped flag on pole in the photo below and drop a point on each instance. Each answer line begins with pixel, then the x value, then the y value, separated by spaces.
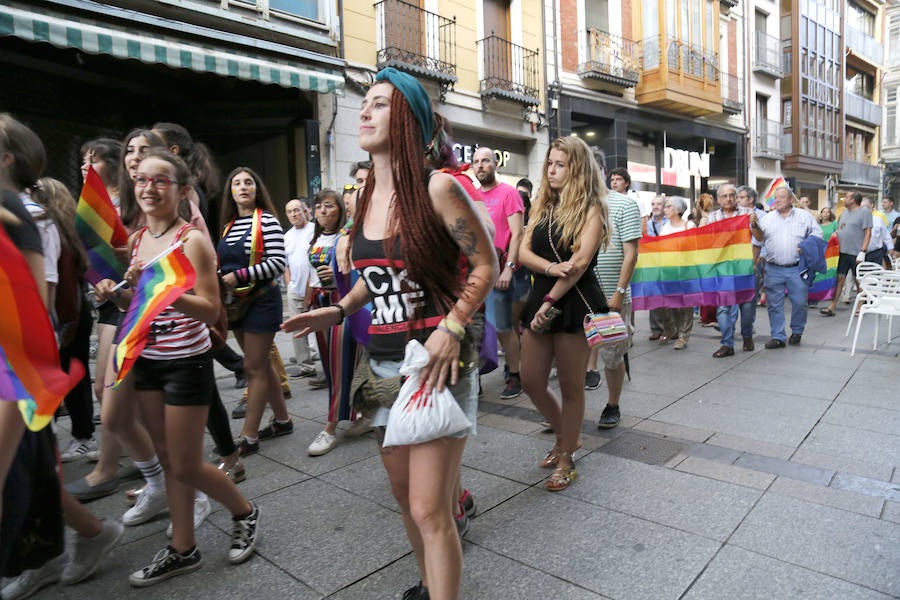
pixel 29 359
pixel 162 282
pixel 823 286
pixel 100 229
pixel 710 265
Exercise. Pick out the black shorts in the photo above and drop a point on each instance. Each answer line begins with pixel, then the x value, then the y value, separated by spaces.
pixel 846 263
pixel 183 381
pixel 109 314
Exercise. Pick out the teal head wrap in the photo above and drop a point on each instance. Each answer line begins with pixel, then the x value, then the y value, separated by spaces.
pixel 417 97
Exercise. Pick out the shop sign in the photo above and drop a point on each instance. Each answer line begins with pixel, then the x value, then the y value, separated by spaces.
pixel 464 154
pixel 682 161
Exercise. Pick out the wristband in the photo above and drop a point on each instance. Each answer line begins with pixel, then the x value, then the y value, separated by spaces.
pixel 341 309
pixel 455 328
pixel 448 332
pixel 547 269
pixel 548 298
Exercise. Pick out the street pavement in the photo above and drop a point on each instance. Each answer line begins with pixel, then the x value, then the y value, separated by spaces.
pixel 771 474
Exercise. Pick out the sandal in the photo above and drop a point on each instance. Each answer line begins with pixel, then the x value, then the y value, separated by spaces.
pixel 552 458
pixel 826 312
pixel 562 476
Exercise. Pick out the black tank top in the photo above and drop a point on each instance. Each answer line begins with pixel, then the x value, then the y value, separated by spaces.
pixel 394 300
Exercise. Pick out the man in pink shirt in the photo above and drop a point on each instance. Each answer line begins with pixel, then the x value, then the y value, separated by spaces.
pixel 506 209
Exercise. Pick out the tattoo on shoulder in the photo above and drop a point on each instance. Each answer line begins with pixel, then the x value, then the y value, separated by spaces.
pixel 464 237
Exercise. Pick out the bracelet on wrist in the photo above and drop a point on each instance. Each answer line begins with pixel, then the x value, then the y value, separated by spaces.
pixel 549 299
pixel 342 313
pixel 547 269
pixel 448 332
pixel 455 328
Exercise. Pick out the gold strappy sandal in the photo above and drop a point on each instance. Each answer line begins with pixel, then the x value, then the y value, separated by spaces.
pixel 563 475
pixel 552 458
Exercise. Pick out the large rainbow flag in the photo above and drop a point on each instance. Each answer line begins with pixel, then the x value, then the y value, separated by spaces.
pixel 100 229
pixel 823 286
pixel 29 359
pixel 161 283
pixel 710 265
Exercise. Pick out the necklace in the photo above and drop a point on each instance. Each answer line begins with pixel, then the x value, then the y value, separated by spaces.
pixel 156 236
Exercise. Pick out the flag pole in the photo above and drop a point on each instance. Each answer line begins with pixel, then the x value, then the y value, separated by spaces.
pixel 152 262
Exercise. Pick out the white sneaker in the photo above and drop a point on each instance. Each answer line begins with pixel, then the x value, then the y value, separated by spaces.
pixel 202 508
pixel 79 449
pixel 89 553
pixel 323 444
pixel 148 505
pixel 361 426
pixel 34 579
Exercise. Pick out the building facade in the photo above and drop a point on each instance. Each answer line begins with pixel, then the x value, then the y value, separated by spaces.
pixel 253 79
pixel 890 138
pixel 480 60
pixel 658 85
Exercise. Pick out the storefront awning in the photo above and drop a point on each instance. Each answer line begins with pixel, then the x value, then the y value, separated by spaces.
pixel 100 38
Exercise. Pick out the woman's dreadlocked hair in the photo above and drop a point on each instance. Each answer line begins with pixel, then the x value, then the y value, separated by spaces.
pixel 429 252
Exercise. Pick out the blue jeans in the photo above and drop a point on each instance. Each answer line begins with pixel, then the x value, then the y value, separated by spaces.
pixel 727 317
pixel 777 279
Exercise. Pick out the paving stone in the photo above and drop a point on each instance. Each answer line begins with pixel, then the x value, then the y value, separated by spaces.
pixel 791 385
pixel 512 424
pixel 891 511
pixel 737 574
pixel 828 496
pixel 216 579
pixel 867 418
pixel 726 472
pixel 675 431
pixel 842 465
pixel 486 576
pixel 852 547
pixel 570 538
pixel 785 468
pixel 713 452
pixel 291 450
pixel 743 444
pixel 866 486
pixel 862 391
pixel 512 455
pixel 853 444
pixel 305 528
pixel 697 505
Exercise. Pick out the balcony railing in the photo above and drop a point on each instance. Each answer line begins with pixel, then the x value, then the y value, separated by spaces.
pixel 767 56
pixel 857 107
pixel 732 93
pixel 687 59
pixel 860 173
pixel 416 41
pixel 769 141
pixel 510 71
pixel 609 58
pixel 864 45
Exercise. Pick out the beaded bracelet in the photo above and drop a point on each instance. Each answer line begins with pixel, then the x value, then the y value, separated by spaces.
pixel 458 330
pixel 341 309
pixel 547 270
pixel 448 332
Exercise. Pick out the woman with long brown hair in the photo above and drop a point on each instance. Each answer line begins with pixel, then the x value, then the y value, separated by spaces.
pixel 567 225
pixel 409 229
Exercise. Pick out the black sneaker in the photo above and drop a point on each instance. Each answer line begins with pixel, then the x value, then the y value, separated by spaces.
pixel 468 503
pixel 513 388
pixel 416 592
pixel 774 343
pixel 275 429
pixel 244 536
pixel 240 411
pixel 462 524
pixel 246 448
pixel 166 564
pixel 592 380
pixel 610 417
pixel 240 380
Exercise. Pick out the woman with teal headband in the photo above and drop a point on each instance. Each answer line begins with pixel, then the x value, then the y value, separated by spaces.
pixel 410 229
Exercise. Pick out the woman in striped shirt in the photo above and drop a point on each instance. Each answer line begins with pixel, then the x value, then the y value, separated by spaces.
pixel 251 256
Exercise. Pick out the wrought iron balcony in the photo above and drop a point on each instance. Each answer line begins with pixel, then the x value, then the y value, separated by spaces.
pixel 688 59
pixel 607 57
pixel 860 173
pixel 861 109
pixel 769 140
pixel 511 72
pixel 864 45
pixel 732 93
pixel 767 56
pixel 416 41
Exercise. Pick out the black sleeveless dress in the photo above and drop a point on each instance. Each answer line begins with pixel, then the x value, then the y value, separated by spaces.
pixel 573 308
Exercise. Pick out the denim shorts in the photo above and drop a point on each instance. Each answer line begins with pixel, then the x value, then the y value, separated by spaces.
pixel 518 290
pixel 465 392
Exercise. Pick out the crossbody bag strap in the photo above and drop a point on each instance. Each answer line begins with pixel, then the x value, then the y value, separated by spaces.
pixel 553 247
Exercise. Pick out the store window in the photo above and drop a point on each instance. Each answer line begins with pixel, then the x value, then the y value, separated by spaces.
pixel 308 9
pixel 596 16
pixel 892 132
pixel 860 18
pixel 861 84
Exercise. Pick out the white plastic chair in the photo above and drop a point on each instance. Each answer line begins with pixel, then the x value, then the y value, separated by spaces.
pixel 883 298
pixel 862 269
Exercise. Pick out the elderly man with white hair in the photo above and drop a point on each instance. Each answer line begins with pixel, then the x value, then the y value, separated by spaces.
pixel 727 316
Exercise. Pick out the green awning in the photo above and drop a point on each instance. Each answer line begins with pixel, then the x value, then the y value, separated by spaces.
pixel 101 38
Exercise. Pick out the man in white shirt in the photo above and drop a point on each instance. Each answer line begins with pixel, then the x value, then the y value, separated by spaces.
pixel 296 275
pixel 781 232
pixel 881 235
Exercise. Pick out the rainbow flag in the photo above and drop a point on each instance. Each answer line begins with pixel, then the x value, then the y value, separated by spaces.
pixel 100 229
pixel 710 265
pixel 778 182
pixel 29 359
pixel 161 283
pixel 823 286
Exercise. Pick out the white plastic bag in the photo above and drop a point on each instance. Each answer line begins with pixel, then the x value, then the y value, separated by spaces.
pixel 421 415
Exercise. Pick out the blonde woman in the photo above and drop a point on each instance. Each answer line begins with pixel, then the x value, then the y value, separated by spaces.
pixel 566 227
